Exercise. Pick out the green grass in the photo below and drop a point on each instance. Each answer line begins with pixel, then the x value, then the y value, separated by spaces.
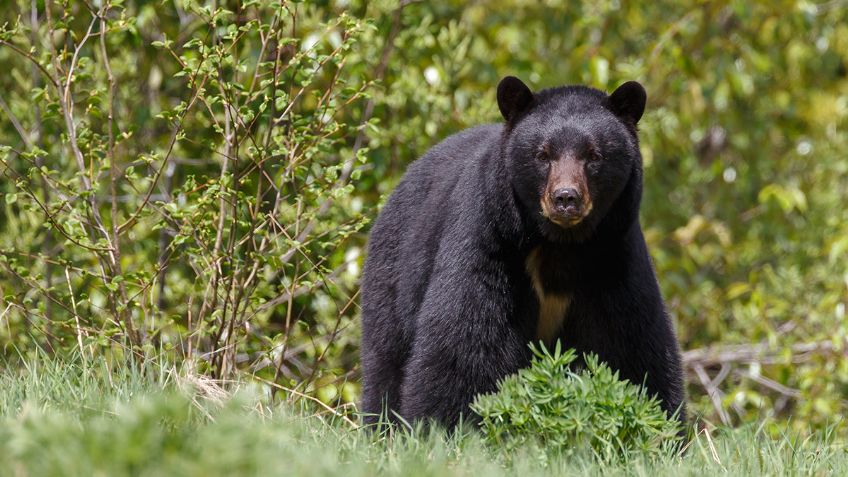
pixel 71 418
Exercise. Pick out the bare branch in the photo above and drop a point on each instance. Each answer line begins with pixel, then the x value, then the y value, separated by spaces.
pixel 761 353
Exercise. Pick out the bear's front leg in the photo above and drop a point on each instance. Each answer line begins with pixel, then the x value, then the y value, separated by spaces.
pixel 466 341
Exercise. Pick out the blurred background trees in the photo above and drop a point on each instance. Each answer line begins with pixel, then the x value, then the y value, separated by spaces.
pixel 194 179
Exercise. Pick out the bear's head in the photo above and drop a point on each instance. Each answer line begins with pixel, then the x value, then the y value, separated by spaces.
pixel 573 156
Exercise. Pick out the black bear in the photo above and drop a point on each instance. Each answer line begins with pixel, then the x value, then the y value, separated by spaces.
pixel 510 233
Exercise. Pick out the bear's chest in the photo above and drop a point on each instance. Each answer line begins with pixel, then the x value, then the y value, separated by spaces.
pixel 553 304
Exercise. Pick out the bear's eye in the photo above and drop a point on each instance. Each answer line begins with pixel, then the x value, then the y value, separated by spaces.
pixel 543 155
pixel 594 156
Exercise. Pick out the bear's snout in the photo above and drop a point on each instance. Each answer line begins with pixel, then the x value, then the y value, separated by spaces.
pixel 567 202
pixel 565 206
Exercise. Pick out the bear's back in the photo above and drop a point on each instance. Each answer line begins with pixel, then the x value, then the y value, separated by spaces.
pixel 406 236
pixel 446 164
pixel 421 202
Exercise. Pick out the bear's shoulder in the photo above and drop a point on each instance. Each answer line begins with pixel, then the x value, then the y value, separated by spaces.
pixel 456 160
pixel 466 144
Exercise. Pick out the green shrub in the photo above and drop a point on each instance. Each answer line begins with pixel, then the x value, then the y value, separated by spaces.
pixel 564 410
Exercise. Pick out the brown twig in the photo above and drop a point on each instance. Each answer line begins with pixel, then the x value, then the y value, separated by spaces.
pixel 762 353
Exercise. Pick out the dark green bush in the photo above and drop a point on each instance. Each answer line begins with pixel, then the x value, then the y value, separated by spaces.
pixel 564 410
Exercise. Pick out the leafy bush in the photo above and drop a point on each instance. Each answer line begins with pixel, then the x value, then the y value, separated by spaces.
pixel 184 186
pixel 562 409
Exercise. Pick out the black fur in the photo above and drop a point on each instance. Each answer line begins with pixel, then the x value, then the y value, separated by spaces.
pixel 448 305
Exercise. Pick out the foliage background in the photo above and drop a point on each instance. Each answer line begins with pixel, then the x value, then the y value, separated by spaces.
pixel 220 152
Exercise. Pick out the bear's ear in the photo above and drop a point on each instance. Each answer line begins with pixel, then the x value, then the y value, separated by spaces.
pixel 514 97
pixel 628 101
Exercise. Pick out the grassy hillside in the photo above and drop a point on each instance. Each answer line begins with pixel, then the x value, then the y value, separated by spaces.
pixel 73 418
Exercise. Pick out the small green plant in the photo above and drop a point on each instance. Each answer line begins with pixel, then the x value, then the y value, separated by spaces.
pixel 563 410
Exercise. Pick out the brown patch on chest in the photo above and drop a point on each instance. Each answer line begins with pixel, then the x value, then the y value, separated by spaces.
pixel 552 306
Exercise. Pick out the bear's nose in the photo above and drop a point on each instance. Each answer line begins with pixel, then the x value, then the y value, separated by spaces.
pixel 567 199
